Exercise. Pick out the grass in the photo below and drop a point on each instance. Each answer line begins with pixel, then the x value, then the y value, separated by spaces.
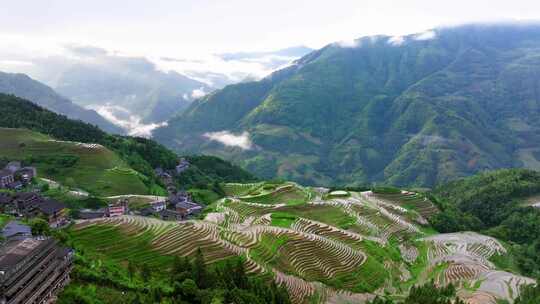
pixel 322 213
pixel 288 194
pixel 98 171
pixel 282 219
pixel 266 250
pixel 204 196
pixel 4 219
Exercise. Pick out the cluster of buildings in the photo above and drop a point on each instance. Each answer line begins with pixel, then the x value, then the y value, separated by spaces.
pixel 14 176
pixel 32 269
pixel 118 208
pixel 31 205
pixel 179 204
pixel 177 207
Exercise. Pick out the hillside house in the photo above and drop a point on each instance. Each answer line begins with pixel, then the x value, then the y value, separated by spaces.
pixel 157 206
pixel 188 208
pixel 16 185
pixel 54 211
pixel 87 214
pixel 33 270
pixel 117 209
pixel 26 204
pixel 6 178
pixel 171 215
pixel 13 166
pixel 26 174
pixel 15 230
pixel 179 197
pixel 182 166
pixel 30 204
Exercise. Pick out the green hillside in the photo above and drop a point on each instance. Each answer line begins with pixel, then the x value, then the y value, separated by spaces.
pixel 407 111
pixel 92 168
pixel 118 166
pixel 323 248
pixel 494 203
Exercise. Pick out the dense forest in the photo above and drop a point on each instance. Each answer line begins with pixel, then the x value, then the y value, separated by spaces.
pixel 494 203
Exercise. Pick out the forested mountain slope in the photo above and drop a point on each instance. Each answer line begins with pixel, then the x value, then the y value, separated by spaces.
pixel 140 154
pixel 25 87
pixel 414 110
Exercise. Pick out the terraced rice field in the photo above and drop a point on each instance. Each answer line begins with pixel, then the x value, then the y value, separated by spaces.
pixel 330 250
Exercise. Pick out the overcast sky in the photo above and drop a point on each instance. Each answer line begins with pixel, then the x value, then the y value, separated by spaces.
pixel 178 27
pixel 193 31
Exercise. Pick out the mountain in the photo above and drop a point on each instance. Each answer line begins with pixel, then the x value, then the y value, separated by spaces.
pixel 137 87
pixel 25 87
pixel 414 110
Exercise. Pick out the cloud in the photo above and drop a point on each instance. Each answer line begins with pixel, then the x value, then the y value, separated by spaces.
pixel 198 93
pixel 86 50
pixel 15 63
pixel 396 40
pixel 425 36
pixel 229 139
pixel 353 43
pixel 123 118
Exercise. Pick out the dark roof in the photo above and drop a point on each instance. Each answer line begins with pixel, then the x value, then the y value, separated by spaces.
pixel 14 252
pixel 147 211
pixel 169 212
pixel 187 205
pixel 5 198
pixel 4 172
pixel 15 228
pixel 91 214
pixel 50 206
pixel 15 184
pixel 25 195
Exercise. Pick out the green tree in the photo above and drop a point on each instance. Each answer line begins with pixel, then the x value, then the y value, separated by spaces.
pixel 39 227
pixel 199 269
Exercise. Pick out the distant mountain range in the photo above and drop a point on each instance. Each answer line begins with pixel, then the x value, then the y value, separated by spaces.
pixel 413 110
pixel 133 84
pixel 25 87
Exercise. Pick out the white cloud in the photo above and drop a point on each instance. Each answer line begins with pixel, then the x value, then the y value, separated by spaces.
pixel 353 43
pixel 198 93
pixel 229 139
pixel 15 63
pixel 425 36
pixel 121 117
pixel 396 40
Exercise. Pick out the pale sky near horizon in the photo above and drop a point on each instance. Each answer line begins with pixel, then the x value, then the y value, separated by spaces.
pixel 37 36
pixel 168 28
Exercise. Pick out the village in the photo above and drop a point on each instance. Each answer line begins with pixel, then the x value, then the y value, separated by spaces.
pixel 177 206
pixel 35 267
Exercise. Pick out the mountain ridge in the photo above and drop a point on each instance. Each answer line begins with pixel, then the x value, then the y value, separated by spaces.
pixel 413 110
pixel 22 85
